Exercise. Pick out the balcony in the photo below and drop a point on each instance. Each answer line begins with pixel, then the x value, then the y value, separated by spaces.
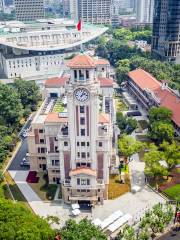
pixel 83 195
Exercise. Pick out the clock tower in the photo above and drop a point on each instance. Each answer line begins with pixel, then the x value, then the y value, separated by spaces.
pixel 85 172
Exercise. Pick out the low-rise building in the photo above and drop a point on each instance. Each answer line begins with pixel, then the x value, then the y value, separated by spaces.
pixel 149 92
pixel 71 135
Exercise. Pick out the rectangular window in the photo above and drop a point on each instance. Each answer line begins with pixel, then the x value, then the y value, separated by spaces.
pixel 83 144
pixel 41 130
pixel 78 144
pixel 56 139
pixel 87 74
pixel 83 155
pixel 82 132
pixel 83 181
pixel 75 74
pixel 88 144
pixel 78 154
pixel 78 165
pixel 100 144
pixel 82 109
pixel 65 144
pixel 82 120
pixel 78 181
pixel 88 181
pixel 56 149
pixel 42 141
pixel 88 154
pixel 88 165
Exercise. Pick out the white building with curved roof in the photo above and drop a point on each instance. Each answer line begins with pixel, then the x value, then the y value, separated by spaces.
pixel 40 48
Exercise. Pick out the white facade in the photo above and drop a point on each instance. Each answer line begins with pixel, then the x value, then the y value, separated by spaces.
pixel 75 146
pixel 144 11
pixel 39 50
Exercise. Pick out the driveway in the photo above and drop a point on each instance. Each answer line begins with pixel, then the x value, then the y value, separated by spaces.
pixel 15 164
pixel 40 208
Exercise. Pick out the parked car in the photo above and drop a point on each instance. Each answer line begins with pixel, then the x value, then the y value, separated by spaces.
pixel 25 162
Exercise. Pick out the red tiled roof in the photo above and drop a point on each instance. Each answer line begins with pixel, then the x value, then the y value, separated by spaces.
pixel 106 82
pixel 102 61
pixel 54 118
pixel 81 61
pixel 144 79
pixel 167 98
pixel 86 171
pixel 104 118
pixel 56 81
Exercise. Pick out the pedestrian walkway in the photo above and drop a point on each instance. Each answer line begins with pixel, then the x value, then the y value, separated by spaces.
pixel 41 208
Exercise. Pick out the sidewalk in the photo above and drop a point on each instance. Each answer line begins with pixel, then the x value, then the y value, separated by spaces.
pixel 40 208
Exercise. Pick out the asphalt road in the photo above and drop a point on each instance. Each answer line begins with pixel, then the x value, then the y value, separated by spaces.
pixel 15 164
pixel 171 236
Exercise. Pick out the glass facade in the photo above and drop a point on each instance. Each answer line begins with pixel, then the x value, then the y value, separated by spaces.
pixel 166 30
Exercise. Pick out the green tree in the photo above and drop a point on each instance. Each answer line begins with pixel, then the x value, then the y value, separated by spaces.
pixel 161 114
pixel 129 146
pixel 10 106
pixel 28 92
pixel 152 159
pixel 84 230
pixel 17 222
pixel 123 67
pixel 123 34
pixel 171 154
pixel 128 233
pixel 160 131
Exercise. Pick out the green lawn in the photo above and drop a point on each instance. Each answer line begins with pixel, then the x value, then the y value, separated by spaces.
pixel 44 190
pixel 58 107
pixel 120 105
pixel 173 192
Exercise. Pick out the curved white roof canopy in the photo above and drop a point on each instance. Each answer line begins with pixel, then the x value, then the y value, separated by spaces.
pixel 49 40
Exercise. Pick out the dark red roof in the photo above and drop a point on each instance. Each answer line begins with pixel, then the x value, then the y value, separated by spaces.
pixel 166 97
pixel 106 82
pixel 81 61
pixel 56 81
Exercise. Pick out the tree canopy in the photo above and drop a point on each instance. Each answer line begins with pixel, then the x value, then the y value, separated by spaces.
pixel 160 126
pixel 129 146
pixel 17 222
pixel 84 230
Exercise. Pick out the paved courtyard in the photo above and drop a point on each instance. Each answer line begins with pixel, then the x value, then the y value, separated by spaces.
pixel 135 204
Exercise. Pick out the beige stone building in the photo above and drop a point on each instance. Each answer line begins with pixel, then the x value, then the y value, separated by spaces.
pixel 71 135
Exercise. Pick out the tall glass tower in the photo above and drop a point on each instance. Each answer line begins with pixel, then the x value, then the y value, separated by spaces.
pixel 166 30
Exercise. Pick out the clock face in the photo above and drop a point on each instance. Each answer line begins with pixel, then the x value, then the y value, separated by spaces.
pixel 81 94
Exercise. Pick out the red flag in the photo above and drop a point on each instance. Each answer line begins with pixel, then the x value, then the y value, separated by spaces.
pixel 79 25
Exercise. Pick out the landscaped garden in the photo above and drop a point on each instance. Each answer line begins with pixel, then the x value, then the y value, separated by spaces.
pixel 120 105
pixel 58 107
pixel 116 188
pixel 173 192
pixel 44 190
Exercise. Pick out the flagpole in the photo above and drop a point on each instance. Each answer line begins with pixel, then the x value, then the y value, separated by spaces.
pixel 81 36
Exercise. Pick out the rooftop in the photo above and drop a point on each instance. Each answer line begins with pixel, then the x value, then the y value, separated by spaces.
pixel 55 118
pixel 165 95
pixel 106 82
pixel 47 35
pixel 56 82
pixel 82 61
pixel 86 171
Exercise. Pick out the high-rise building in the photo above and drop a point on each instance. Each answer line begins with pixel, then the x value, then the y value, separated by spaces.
pixel 98 12
pixel 2 5
pixel 29 10
pixel 166 30
pixel 66 8
pixel 144 11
